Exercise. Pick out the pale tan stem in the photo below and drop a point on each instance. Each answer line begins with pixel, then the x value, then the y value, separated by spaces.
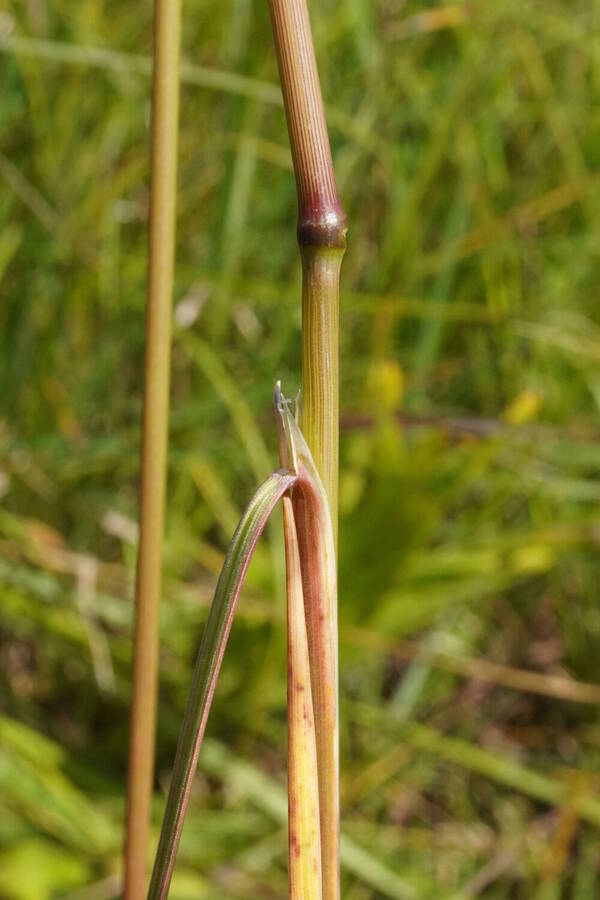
pixel 165 103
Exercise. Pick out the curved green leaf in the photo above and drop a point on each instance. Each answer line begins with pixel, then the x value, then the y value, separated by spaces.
pixel 207 669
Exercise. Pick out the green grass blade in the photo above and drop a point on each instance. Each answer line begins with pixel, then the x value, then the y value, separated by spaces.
pixel 207 669
pixel 68 53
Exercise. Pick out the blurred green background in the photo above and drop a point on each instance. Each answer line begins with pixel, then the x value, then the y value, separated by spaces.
pixel 467 146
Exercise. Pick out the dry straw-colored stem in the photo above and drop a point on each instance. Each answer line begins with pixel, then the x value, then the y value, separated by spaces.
pixel 165 103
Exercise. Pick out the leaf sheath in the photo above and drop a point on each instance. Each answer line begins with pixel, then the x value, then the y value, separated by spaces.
pixel 319 585
pixel 304 839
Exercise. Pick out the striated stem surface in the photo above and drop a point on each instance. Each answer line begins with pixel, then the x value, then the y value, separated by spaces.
pixel 321 235
pixel 320 367
pixel 321 219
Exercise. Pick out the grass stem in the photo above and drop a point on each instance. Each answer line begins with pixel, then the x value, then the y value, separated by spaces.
pixel 165 103
pixel 321 235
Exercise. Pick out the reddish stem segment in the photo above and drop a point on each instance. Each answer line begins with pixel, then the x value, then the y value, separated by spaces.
pixel 321 235
pixel 304 830
pixel 317 556
pixel 321 218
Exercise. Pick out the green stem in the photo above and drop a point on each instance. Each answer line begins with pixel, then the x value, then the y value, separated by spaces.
pixel 321 235
pixel 320 369
pixel 165 104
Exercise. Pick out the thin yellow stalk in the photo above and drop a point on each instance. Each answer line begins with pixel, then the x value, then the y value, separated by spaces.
pixel 321 236
pixel 165 103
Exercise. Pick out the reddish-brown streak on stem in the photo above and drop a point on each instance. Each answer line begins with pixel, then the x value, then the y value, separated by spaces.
pixel 319 603
pixel 304 853
pixel 304 838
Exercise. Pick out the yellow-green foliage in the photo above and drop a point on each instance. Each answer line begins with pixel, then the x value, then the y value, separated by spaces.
pixel 466 149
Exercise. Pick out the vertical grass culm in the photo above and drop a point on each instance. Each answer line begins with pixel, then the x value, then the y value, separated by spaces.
pixel 321 232
pixel 165 103
pixel 321 235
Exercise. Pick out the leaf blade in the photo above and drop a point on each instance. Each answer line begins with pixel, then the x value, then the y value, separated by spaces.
pixel 208 664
